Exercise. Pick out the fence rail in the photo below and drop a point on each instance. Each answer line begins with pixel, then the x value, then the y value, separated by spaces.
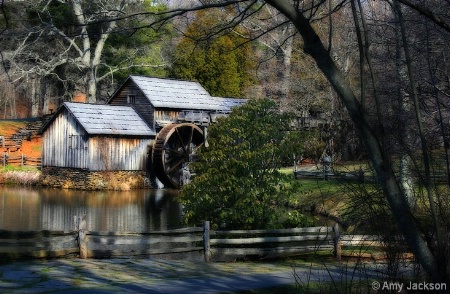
pixel 195 243
pixel 21 160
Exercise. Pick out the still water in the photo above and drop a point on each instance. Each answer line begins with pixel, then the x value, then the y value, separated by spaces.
pixel 34 209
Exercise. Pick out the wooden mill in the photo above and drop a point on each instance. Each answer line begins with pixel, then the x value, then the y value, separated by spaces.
pixel 168 117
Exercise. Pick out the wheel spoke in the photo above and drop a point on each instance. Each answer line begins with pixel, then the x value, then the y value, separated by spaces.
pixel 197 147
pixel 168 149
pixel 181 140
pixel 173 167
pixel 191 135
pixel 168 162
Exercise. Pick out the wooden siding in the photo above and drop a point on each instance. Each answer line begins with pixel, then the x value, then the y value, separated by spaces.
pixel 108 153
pixel 64 143
pixel 164 117
pixel 142 105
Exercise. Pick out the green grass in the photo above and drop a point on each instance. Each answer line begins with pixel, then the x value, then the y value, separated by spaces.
pixel 9 168
pixel 351 167
pixel 37 148
pixel 326 199
pixel 318 194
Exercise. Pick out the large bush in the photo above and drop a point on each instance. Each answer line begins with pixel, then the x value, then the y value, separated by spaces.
pixel 237 178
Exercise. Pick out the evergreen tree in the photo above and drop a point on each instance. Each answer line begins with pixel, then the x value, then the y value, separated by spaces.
pixel 221 63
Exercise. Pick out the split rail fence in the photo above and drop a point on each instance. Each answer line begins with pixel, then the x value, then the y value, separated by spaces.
pixel 195 243
pixel 21 160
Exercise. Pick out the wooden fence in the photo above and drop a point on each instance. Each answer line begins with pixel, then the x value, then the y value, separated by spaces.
pixel 21 160
pixel 192 243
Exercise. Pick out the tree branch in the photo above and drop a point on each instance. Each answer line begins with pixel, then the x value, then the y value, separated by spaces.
pixel 428 14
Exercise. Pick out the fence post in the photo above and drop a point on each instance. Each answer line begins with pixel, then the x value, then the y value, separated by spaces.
pixel 23 160
pixel 337 242
pixel 206 244
pixel 80 223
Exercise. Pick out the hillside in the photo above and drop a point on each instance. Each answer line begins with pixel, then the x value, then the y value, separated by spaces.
pixel 29 146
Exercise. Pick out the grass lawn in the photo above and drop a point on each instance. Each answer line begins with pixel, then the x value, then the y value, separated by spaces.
pixel 326 199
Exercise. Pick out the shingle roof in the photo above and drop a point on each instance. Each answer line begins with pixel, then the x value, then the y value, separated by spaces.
pixel 99 119
pixel 176 94
pixel 226 104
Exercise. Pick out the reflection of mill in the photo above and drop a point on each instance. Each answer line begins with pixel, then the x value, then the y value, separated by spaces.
pixel 133 211
pixel 19 208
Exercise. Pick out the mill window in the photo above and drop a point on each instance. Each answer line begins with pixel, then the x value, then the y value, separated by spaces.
pixel 131 99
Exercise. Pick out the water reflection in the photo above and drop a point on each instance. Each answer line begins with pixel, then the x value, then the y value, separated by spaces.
pixel 24 209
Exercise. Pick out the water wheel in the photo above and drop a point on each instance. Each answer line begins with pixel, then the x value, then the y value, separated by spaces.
pixel 175 146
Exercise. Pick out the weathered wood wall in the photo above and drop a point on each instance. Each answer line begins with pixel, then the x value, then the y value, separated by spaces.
pixel 107 153
pixel 141 105
pixel 164 117
pixel 66 144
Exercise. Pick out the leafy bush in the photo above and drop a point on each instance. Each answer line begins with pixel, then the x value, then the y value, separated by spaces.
pixel 238 184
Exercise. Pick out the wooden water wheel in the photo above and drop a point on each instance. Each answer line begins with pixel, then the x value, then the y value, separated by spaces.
pixel 175 146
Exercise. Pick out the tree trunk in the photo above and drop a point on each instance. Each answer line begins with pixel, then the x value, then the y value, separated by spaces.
pixel 286 67
pixel 426 158
pixel 91 86
pixel 405 179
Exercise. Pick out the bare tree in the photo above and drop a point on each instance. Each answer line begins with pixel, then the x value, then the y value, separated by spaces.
pixel 65 41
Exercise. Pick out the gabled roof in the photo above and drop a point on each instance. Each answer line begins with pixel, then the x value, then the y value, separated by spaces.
pixel 100 119
pixel 168 93
pixel 177 94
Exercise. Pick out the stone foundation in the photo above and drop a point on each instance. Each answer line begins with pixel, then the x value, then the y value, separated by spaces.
pixel 73 178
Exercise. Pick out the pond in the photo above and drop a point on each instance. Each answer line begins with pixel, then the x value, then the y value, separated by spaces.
pixel 34 209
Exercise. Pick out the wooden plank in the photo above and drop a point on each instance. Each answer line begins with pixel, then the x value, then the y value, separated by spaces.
pixel 37 241
pixel 165 232
pixel 360 238
pixel 266 252
pixel 269 240
pixel 34 234
pixel 30 252
pixel 279 231
pixel 50 246
pixel 140 240
pixel 143 252
pixel 206 241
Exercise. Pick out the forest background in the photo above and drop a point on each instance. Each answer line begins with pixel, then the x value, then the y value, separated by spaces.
pixel 54 51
